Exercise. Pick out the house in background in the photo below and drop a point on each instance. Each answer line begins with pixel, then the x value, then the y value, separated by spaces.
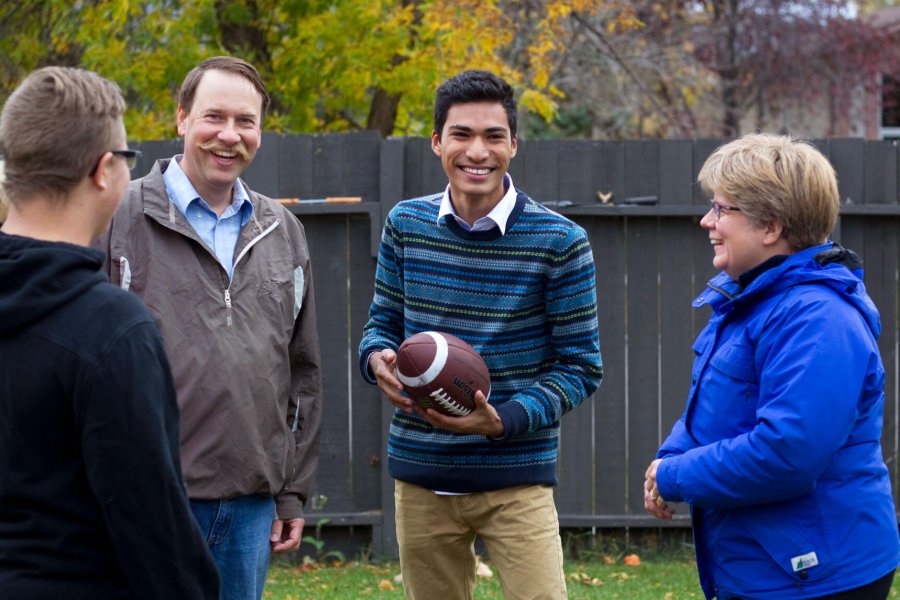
pixel 883 109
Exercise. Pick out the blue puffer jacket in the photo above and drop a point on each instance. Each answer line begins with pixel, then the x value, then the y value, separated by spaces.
pixel 779 448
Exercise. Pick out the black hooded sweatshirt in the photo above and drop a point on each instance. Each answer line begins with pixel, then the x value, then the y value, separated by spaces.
pixel 92 501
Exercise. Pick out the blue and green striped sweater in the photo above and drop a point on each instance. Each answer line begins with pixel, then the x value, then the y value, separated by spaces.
pixel 526 300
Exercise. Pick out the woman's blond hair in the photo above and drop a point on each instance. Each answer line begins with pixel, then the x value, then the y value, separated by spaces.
pixel 777 178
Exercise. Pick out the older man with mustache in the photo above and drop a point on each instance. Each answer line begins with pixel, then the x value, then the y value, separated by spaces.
pixel 226 272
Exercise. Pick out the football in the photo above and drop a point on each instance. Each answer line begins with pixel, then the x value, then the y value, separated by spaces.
pixel 442 372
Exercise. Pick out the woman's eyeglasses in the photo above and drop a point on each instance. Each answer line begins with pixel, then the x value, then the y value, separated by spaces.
pixel 718 208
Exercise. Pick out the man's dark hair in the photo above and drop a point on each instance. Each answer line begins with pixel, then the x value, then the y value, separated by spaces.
pixel 229 64
pixel 474 86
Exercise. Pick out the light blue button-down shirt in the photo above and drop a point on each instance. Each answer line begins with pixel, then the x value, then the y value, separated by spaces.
pixel 220 234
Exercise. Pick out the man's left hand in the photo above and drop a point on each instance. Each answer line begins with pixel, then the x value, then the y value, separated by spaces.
pixel 483 420
pixel 286 535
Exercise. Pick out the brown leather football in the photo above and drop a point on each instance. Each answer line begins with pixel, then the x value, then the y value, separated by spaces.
pixel 442 372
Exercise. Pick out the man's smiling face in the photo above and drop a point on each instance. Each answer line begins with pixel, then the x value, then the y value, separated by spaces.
pixel 475 148
pixel 222 132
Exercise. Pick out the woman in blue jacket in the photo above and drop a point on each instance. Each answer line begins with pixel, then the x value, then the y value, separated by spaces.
pixel 778 451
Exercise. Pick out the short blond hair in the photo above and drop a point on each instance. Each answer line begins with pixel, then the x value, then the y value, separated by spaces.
pixel 54 128
pixel 777 178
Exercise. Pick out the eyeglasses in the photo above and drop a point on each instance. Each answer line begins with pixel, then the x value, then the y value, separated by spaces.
pixel 131 157
pixel 718 208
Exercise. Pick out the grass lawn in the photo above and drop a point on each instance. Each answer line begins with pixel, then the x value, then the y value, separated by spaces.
pixel 675 580
pixel 656 580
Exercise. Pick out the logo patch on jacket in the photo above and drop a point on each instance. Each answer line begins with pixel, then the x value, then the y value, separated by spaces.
pixel 270 287
pixel 804 562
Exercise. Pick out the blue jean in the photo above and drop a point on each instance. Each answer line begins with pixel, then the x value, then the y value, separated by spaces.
pixel 237 532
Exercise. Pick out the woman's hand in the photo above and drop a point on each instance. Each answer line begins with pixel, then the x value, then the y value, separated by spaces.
pixel 654 503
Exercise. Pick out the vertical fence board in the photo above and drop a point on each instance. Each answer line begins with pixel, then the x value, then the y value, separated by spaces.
pixel 608 169
pixel 847 156
pixel 329 161
pixel 361 166
pixel 676 328
pixel 675 331
pixel 578 455
pixel 541 180
pixel 880 254
pixel 574 162
pixel 295 167
pixel 327 237
pixel 391 191
pixel 880 160
pixel 641 169
pixel 608 244
pixel 642 263
pixel 888 304
pixel 365 398
pixel 676 183
pixel 412 169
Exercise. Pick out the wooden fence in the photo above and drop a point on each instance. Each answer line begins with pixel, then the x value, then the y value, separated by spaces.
pixel 652 259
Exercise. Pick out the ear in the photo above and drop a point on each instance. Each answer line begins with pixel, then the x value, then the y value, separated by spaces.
pixel 514 144
pixel 180 120
pixel 773 231
pixel 100 178
pixel 436 143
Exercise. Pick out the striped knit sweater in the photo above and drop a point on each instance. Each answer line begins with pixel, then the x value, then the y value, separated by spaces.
pixel 526 300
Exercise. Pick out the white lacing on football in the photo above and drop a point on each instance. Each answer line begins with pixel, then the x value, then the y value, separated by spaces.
pixel 449 404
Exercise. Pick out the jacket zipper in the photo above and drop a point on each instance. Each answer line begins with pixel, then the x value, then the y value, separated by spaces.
pixel 228 319
pixel 228 306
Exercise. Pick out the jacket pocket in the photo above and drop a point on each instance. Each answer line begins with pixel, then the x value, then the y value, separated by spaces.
pixel 730 385
pixel 735 359
pixel 794 536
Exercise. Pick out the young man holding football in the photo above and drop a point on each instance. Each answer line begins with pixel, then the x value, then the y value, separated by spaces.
pixel 484 262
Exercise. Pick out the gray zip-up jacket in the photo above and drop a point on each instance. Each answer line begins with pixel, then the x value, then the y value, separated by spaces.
pixel 244 353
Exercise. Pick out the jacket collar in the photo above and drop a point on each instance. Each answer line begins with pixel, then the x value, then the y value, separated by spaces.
pixel 158 206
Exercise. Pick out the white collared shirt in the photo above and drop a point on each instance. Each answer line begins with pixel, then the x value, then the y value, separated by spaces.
pixel 496 218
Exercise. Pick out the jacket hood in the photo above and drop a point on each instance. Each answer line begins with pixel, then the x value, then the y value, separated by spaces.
pixel 38 277
pixel 828 264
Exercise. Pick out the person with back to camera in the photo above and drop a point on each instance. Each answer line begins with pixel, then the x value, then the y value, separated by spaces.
pixel 483 262
pixel 92 500
pixel 228 275
pixel 778 452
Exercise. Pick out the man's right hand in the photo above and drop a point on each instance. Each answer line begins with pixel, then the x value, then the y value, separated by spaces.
pixel 382 365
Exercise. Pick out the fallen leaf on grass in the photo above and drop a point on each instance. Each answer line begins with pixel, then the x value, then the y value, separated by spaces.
pixel 609 560
pixel 632 560
pixel 384 584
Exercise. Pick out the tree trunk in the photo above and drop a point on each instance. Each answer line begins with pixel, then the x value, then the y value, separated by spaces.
pixel 731 125
pixel 383 112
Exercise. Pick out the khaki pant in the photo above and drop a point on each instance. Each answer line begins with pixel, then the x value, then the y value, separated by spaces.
pixel 520 529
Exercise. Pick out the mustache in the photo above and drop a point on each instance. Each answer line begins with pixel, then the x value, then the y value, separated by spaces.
pixel 214 145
